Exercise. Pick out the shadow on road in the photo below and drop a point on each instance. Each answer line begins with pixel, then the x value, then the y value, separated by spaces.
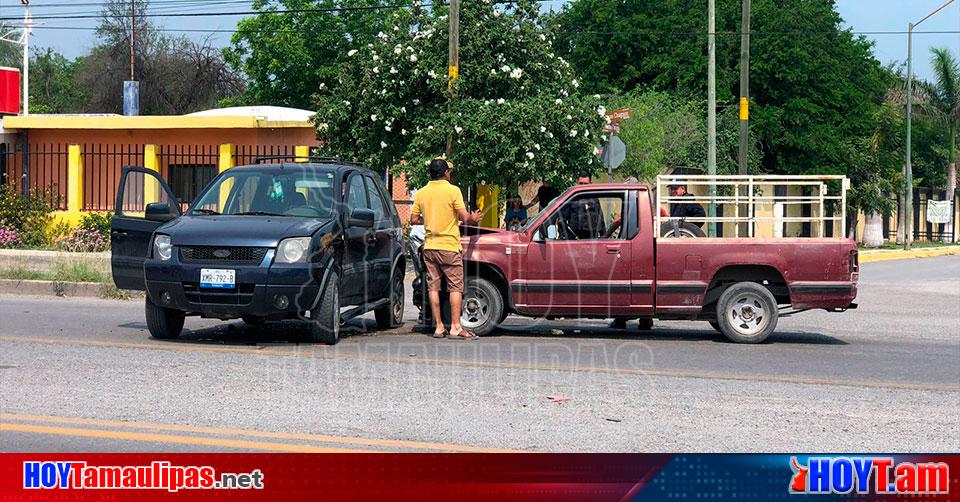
pixel 272 333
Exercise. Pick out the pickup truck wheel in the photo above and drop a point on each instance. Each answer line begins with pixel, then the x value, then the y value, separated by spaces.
pixel 645 324
pixel 715 325
pixel 325 318
pixel 482 306
pixel 163 323
pixel 685 229
pixel 391 315
pixel 747 312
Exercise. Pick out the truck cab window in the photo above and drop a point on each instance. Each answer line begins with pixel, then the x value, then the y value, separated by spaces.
pixel 588 216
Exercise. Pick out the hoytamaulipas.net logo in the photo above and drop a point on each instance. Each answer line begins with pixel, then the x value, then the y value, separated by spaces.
pixel 158 475
pixel 873 475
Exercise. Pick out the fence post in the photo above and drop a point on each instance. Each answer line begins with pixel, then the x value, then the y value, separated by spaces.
pixel 151 189
pixel 302 153
pixel 74 179
pixel 227 160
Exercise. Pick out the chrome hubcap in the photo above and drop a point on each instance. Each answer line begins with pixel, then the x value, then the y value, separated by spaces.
pixel 747 315
pixel 476 310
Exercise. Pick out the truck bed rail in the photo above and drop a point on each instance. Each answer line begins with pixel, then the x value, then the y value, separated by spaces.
pixel 751 207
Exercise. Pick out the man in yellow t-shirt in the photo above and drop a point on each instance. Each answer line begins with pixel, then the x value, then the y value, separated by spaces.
pixel 439 208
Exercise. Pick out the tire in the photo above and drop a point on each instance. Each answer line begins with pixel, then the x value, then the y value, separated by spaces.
pixel 325 318
pixel 391 316
pixel 163 323
pixel 619 323
pixel 716 325
pixel 252 320
pixel 685 229
pixel 482 306
pixel 645 324
pixel 747 313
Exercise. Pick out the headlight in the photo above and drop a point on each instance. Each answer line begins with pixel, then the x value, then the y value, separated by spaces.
pixel 293 250
pixel 162 248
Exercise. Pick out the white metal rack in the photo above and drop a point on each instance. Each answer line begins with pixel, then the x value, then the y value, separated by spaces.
pixel 744 199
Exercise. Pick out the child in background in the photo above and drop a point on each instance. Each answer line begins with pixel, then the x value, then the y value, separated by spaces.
pixel 516 213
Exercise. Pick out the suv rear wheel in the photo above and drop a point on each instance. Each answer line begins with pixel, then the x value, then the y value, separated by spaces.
pixel 163 323
pixel 325 318
pixel 391 315
pixel 747 312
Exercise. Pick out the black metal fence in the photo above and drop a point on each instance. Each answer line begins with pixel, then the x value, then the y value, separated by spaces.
pixel 248 154
pixel 102 165
pixel 922 229
pixel 46 170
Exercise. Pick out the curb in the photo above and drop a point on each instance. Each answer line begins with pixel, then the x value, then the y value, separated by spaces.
pixel 51 288
pixel 875 256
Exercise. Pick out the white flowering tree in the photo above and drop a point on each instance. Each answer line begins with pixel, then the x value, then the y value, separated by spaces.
pixel 517 115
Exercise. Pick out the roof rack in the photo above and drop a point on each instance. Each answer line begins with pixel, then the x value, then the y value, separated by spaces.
pixel 309 158
pixel 751 205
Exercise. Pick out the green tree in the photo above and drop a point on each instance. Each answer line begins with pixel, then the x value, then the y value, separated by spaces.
pixel 286 56
pixel 53 84
pixel 813 84
pixel 517 115
pixel 11 54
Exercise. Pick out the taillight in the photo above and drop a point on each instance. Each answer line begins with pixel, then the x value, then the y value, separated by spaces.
pixel 854 261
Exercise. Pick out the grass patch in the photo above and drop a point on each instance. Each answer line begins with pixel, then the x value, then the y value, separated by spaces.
pixel 915 245
pixel 22 274
pixel 77 271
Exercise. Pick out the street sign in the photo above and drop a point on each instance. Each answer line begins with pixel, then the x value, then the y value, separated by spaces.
pixel 619 114
pixel 614 154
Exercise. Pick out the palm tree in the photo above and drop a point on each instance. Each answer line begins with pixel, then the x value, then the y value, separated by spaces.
pixel 944 101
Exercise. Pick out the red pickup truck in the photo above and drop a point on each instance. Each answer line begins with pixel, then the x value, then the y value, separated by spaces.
pixel 563 265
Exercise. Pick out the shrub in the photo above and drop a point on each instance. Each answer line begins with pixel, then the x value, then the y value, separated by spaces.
pixel 80 240
pixel 29 216
pixel 97 222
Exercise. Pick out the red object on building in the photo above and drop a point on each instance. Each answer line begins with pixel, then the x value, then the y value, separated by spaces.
pixel 9 91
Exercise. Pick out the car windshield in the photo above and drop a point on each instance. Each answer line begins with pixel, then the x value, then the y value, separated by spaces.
pixel 301 192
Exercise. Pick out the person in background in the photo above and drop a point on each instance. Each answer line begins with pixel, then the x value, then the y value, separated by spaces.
pixel 516 213
pixel 439 208
pixel 685 210
pixel 545 195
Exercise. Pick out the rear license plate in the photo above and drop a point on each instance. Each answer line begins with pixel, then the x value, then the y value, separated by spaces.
pixel 218 278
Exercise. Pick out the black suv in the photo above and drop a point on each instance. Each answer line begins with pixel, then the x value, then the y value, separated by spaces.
pixel 262 242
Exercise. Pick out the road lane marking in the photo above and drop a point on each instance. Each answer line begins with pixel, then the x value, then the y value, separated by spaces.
pixel 319 438
pixel 171 438
pixel 328 355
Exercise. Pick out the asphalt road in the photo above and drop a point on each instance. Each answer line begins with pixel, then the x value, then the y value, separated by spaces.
pixel 83 375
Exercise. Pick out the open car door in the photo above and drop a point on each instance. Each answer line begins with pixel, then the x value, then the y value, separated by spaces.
pixel 144 202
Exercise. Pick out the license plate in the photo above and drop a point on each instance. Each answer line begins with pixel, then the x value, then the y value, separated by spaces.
pixel 218 278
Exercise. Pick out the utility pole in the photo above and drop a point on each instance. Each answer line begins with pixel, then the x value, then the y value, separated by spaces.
pixel 453 70
pixel 712 112
pixel 744 86
pixel 27 24
pixel 908 179
pixel 133 35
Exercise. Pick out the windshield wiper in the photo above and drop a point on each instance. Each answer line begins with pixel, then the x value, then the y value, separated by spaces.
pixel 202 210
pixel 257 213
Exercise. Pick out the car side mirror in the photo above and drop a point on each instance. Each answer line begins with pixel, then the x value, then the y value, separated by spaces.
pixel 361 217
pixel 159 211
pixel 552 233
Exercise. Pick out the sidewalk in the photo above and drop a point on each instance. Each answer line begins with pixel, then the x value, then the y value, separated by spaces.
pixel 874 255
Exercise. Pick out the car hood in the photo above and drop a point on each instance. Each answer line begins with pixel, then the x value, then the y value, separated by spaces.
pixel 481 235
pixel 249 231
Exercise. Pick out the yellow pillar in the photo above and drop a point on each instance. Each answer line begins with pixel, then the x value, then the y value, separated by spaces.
pixel 302 153
pixel 488 199
pixel 74 179
pixel 151 189
pixel 226 161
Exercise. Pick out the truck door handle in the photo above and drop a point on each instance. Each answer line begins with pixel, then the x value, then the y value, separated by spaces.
pixel 371 239
pixel 613 250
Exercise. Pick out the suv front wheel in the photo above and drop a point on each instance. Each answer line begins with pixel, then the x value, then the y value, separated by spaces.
pixel 325 318
pixel 163 323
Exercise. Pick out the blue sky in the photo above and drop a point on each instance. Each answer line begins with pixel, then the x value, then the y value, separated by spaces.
pixel 861 15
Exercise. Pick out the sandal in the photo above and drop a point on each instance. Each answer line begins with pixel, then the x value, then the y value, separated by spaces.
pixel 464 334
pixel 442 334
